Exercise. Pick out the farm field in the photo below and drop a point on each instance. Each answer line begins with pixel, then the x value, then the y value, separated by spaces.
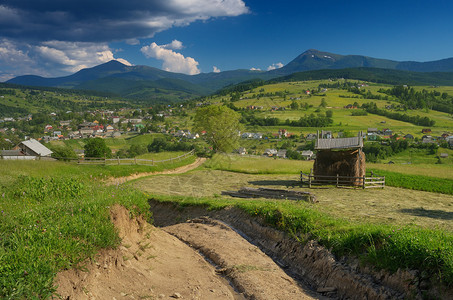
pixel 394 206
pixel 336 99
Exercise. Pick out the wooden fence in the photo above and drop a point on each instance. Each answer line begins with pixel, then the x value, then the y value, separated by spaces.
pixel 131 161
pixel 364 182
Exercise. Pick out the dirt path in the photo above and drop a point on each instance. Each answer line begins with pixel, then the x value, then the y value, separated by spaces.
pixel 152 263
pixel 118 180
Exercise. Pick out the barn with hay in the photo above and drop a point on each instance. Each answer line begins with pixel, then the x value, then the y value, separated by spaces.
pixel 340 158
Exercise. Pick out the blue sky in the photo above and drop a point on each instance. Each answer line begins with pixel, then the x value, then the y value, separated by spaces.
pixel 55 37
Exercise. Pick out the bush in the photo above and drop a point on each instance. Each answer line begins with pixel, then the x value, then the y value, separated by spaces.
pixel 63 153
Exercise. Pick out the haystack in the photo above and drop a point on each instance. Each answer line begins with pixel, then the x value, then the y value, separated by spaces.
pixel 343 157
pixel 346 163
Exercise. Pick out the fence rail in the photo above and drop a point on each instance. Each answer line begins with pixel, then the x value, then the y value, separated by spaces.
pixel 343 181
pixel 130 161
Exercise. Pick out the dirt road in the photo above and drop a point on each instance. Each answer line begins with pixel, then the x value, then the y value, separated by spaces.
pixel 169 263
pixel 180 170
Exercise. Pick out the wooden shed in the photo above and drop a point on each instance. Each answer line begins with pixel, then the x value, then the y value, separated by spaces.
pixel 341 157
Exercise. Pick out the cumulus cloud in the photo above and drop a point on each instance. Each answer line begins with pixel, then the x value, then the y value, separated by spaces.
pixel 52 58
pixel 275 66
pixel 105 21
pixel 172 61
pixel 174 45
pixel 255 69
pixel 91 24
pixel 215 69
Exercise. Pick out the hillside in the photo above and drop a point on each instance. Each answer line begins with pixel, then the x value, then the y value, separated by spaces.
pixel 318 60
pixel 386 76
pixel 148 83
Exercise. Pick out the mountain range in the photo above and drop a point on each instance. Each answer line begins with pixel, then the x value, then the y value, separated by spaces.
pixel 144 82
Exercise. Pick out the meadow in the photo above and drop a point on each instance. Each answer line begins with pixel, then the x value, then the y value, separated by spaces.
pixel 336 99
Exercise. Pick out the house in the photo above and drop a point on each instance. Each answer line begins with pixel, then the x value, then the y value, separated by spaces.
pixel 115 119
pixel 311 136
pixel 86 131
pixel 427 139
pixel 426 130
pixel 281 153
pixel 247 135
pixel 307 154
pixel 387 131
pixel 409 137
pixel 241 151
pixel 270 152
pixel 443 155
pixel 109 128
pixel 34 148
pixel 282 133
pixel 65 123
pixel 372 131
pixel 15 155
pixel 257 136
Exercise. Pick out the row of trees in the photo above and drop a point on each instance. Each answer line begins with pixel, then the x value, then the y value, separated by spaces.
pixel 416 120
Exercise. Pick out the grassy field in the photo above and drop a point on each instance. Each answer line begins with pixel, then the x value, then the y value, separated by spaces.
pixel 336 100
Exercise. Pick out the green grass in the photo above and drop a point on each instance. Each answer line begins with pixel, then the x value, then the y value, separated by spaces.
pixel 51 223
pixel 55 215
pixel 257 165
pixel 383 246
pixel 417 182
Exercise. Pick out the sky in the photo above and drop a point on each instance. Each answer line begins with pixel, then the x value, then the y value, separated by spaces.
pixel 54 38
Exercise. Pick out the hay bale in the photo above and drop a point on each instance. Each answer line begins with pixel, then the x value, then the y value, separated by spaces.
pixel 349 163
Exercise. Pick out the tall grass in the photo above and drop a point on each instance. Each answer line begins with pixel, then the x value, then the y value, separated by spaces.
pixel 417 182
pixel 49 224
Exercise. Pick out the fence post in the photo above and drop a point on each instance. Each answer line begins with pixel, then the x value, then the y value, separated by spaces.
pixel 337 180
pixel 363 181
pixel 135 160
pixel 383 184
pixel 310 176
pixel 152 162
pixel 118 158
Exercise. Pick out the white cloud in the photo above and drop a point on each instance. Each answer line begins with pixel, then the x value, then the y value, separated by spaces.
pixel 215 69
pixel 53 58
pixel 255 69
pixel 172 61
pixel 90 26
pixel 275 66
pixel 174 45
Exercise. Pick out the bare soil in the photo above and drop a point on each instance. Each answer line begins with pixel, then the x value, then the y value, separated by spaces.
pixel 154 263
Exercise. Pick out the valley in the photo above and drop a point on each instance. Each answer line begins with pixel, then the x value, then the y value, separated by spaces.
pixel 62 217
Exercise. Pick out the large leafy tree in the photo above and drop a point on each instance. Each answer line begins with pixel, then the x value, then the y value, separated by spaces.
pixel 221 125
pixel 97 148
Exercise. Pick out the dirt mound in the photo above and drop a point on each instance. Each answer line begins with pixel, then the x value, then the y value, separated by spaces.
pixel 225 254
pixel 149 264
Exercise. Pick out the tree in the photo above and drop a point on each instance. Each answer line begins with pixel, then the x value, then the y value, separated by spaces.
pixel 294 105
pixel 221 125
pixel 97 148
pixel 323 103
